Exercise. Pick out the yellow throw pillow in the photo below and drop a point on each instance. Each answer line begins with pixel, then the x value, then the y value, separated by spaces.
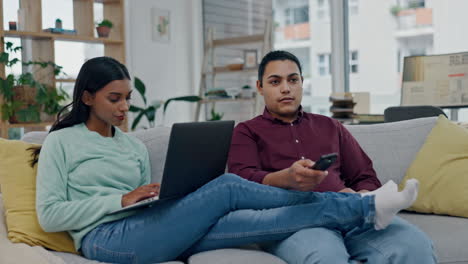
pixel 441 166
pixel 18 183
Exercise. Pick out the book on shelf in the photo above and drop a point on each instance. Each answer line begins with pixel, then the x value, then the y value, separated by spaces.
pixel 369 118
pixel 61 31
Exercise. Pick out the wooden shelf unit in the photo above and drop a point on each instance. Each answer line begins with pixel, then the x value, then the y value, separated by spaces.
pixel 53 36
pixel 210 69
pixel 43 43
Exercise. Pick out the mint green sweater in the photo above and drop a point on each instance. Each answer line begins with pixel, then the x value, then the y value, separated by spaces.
pixel 82 177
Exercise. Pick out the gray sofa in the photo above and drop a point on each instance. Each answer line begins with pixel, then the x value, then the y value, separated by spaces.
pixel 391 146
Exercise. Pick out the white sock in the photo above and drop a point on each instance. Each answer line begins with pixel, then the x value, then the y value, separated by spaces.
pixel 388 201
pixel 389 186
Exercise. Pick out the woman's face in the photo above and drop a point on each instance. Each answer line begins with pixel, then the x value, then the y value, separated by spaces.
pixel 110 104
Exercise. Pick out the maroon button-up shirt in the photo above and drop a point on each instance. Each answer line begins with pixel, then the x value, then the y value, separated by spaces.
pixel 265 144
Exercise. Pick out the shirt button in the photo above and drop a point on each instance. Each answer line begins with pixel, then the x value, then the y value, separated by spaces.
pixel 297 141
pixel 292 124
pixel 302 157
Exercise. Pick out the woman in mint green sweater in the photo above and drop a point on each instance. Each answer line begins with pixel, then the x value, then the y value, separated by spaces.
pixel 88 168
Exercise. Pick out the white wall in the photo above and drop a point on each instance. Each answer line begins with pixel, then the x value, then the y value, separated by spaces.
pixel 450 26
pixel 168 69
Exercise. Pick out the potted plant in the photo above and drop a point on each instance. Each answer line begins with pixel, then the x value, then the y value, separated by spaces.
pixel 103 28
pixel 215 115
pixel 24 97
pixel 149 110
pixel 58 23
pixel 247 91
pixel 395 10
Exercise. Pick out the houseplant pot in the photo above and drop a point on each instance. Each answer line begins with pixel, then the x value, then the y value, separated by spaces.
pixel 26 112
pixel 103 28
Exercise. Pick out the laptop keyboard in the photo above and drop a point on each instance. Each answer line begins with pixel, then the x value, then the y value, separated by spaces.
pixel 154 198
pixel 144 201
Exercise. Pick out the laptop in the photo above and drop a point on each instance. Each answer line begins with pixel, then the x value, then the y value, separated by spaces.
pixel 197 153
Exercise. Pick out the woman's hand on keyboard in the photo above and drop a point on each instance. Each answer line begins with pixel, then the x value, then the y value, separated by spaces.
pixel 140 193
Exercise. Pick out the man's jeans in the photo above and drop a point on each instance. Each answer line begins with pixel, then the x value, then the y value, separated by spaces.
pixel 228 211
pixel 400 243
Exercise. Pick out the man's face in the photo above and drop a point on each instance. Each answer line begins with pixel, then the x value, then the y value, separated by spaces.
pixel 282 89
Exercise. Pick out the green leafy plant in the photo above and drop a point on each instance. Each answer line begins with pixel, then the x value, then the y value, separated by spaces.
pixel 395 10
pixel 47 98
pixel 105 23
pixel 163 25
pixel 149 110
pixel 215 116
pixel 188 98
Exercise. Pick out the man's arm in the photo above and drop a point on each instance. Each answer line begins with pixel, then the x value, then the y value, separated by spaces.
pixel 243 158
pixel 356 167
pixel 244 161
pixel 299 177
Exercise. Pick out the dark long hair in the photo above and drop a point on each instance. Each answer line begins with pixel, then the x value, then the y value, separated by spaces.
pixel 93 76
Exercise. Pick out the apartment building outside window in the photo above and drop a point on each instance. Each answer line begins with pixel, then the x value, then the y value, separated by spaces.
pixel 296 15
pixel 353 61
pixel 416 3
pixel 324 63
pixel 323 9
pixel 353 6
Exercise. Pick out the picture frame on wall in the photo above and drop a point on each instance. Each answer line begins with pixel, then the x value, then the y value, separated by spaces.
pixel 160 25
pixel 250 59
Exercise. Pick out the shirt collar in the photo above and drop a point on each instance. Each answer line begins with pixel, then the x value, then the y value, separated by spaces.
pixel 267 115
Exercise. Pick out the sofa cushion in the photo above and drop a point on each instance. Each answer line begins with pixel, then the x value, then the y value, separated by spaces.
pixel 18 181
pixel 449 234
pixel 393 146
pixel 20 253
pixel 156 141
pixel 232 255
pixel 441 167
pixel 36 137
pixel 75 259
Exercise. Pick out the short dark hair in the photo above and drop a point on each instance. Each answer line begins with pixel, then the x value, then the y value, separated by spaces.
pixel 274 56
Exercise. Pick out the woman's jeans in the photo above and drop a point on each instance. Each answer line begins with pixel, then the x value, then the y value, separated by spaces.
pixel 228 211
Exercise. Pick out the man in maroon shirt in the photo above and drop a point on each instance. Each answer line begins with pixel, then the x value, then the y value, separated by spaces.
pixel 278 148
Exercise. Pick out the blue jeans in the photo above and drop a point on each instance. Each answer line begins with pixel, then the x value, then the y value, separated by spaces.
pixel 400 243
pixel 228 211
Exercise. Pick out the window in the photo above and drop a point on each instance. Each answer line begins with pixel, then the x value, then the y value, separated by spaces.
pixel 353 62
pixel 301 15
pixel 322 9
pixel 416 3
pixel 287 16
pixel 353 6
pixel 399 61
pixel 296 15
pixel 324 62
pixel 309 48
pixel 53 9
